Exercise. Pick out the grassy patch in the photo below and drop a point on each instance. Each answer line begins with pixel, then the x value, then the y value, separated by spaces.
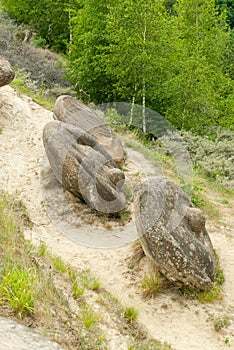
pixel 89 318
pixel 130 314
pixel 200 201
pixel 34 286
pixel 88 281
pixel 221 322
pixel 77 290
pixel 17 289
pixel 150 285
pixel 43 291
pixel 223 201
pixel 58 264
pixel 25 85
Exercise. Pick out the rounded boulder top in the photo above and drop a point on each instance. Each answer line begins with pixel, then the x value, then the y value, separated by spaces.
pixel 7 73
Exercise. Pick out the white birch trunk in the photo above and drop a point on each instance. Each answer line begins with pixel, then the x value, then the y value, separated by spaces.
pixel 143 87
pixel 143 108
pixel 132 106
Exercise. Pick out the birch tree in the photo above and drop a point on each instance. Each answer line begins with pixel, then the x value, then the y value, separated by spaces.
pixel 137 29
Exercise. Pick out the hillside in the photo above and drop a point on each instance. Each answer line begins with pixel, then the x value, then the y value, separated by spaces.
pixel 170 315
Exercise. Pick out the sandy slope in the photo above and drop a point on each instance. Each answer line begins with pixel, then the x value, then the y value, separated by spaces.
pixel 184 323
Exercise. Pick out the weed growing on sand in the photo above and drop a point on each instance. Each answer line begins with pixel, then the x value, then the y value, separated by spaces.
pixel 89 318
pixel 130 314
pixel 88 281
pixel 77 290
pixel 58 264
pixel 151 285
pixel 221 322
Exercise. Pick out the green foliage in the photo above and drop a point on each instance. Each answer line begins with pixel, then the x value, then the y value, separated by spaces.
pixel 89 42
pixel 49 18
pixel 197 84
pixel 228 6
pixel 215 156
pixel 175 57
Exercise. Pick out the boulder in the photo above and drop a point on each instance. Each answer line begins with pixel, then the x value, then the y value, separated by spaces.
pixel 83 167
pixel 69 110
pixel 7 73
pixel 173 233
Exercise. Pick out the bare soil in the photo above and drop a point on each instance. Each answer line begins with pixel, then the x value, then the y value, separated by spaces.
pixel 169 316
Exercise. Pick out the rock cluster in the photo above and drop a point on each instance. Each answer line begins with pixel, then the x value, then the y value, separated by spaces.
pixel 82 152
pixel 173 233
pixel 79 161
pixel 7 73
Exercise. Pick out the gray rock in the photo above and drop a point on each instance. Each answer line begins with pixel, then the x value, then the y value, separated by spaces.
pixel 83 167
pixel 7 73
pixel 173 233
pixel 17 337
pixel 69 110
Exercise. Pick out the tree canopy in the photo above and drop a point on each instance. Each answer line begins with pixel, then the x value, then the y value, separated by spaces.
pixel 175 57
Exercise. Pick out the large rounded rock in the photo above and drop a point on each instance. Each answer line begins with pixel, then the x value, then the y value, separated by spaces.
pixel 83 167
pixel 7 73
pixel 173 233
pixel 69 110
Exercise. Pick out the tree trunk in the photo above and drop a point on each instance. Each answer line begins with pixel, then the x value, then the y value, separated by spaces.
pixel 143 87
pixel 132 107
pixel 143 108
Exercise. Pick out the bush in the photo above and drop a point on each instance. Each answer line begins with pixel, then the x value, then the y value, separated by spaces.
pixel 214 156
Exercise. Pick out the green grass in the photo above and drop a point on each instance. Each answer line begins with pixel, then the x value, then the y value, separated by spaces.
pixel 59 265
pixel 224 201
pixel 77 291
pixel 221 322
pixel 88 280
pixel 34 286
pixel 25 86
pixel 17 289
pixel 157 159
pixel 130 314
pixel 89 318
pixel 200 201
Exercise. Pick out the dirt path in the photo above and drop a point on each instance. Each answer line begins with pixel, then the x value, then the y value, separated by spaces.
pixel 185 324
